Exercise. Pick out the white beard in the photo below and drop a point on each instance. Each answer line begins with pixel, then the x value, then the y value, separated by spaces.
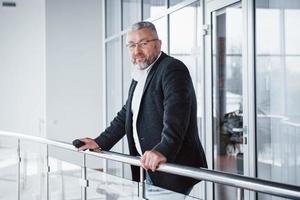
pixel 142 66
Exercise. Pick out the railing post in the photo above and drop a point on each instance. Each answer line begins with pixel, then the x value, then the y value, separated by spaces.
pixel 19 170
pixel 84 181
pixel 47 172
pixel 142 194
pixel 240 193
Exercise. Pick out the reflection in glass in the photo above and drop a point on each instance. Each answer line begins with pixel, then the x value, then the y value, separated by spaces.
pixel 113 17
pixel 153 8
pixel 277 92
pixel 131 12
pixel 8 167
pixel 227 96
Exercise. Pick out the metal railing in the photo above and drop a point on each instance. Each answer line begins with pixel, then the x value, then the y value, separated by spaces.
pixel 238 181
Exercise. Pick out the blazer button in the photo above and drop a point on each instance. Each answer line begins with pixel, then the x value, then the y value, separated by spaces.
pixel 142 138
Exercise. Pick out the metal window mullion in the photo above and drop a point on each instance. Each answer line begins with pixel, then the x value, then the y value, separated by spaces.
pixel 142 10
pixel 47 172
pixel 249 14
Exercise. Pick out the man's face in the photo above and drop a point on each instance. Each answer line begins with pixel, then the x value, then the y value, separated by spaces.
pixel 143 47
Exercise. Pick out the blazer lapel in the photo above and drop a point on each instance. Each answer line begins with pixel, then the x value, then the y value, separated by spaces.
pixel 152 71
pixel 128 124
pixel 131 90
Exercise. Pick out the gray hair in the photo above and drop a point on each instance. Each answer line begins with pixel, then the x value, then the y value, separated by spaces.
pixel 144 24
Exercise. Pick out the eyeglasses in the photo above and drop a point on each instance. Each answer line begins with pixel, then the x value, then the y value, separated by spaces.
pixel 142 44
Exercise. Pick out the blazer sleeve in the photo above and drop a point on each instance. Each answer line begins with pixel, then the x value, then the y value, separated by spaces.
pixel 178 96
pixel 112 134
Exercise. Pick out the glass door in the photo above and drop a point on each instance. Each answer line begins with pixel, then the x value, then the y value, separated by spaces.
pixel 227 101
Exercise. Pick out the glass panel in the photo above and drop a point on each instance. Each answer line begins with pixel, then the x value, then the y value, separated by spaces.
pixel 270 197
pixel 131 12
pixel 64 180
pixel 162 31
pixel 292 33
pixel 186 45
pixel 113 78
pixel 114 93
pixel 175 2
pixel 152 8
pixel 108 187
pixel 33 171
pixel 65 173
pixel 157 193
pixel 8 168
pixel 112 17
pixel 227 96
pixel 127 68
pixel 184 42
pixel 277 91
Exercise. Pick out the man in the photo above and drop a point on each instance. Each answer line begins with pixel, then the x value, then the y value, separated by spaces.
pixel 159 117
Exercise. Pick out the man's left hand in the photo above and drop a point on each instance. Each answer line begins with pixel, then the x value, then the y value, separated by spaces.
pixel 152 159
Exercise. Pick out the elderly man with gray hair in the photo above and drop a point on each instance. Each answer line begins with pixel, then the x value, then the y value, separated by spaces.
pixel 160 114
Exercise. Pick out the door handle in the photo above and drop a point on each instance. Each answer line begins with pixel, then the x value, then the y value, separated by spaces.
pixel 238 130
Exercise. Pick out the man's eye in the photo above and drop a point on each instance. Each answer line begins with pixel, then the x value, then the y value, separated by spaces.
pixel 131 45
pixel 143 44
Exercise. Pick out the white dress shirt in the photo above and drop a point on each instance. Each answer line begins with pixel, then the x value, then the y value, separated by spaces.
pixel 140 76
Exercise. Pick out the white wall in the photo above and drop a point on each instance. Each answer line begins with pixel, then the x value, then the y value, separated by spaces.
pixel 51 68
pixel 22 67
pixel 74 60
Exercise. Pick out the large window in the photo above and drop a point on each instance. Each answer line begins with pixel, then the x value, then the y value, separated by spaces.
pixel 184 42
pixel 131 12
pixel 278 91
pixel 152 8
pixel 112 17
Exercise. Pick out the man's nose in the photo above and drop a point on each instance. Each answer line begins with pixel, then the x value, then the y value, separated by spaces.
pixel 136 48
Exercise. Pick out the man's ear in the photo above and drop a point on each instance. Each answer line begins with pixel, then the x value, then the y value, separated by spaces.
pixel 159 43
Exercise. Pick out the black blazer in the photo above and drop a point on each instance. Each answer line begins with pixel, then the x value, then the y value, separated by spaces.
pixel 167 122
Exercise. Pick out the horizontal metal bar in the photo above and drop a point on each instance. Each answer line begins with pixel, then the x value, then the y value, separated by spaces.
pixel 40 140
pixel 235 180
pixel 238 181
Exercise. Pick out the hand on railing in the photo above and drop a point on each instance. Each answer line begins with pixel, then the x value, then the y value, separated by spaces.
pixel 86 143
pixel 152 159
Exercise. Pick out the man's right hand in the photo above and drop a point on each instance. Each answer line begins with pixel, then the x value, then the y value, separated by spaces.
pixel 89 143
